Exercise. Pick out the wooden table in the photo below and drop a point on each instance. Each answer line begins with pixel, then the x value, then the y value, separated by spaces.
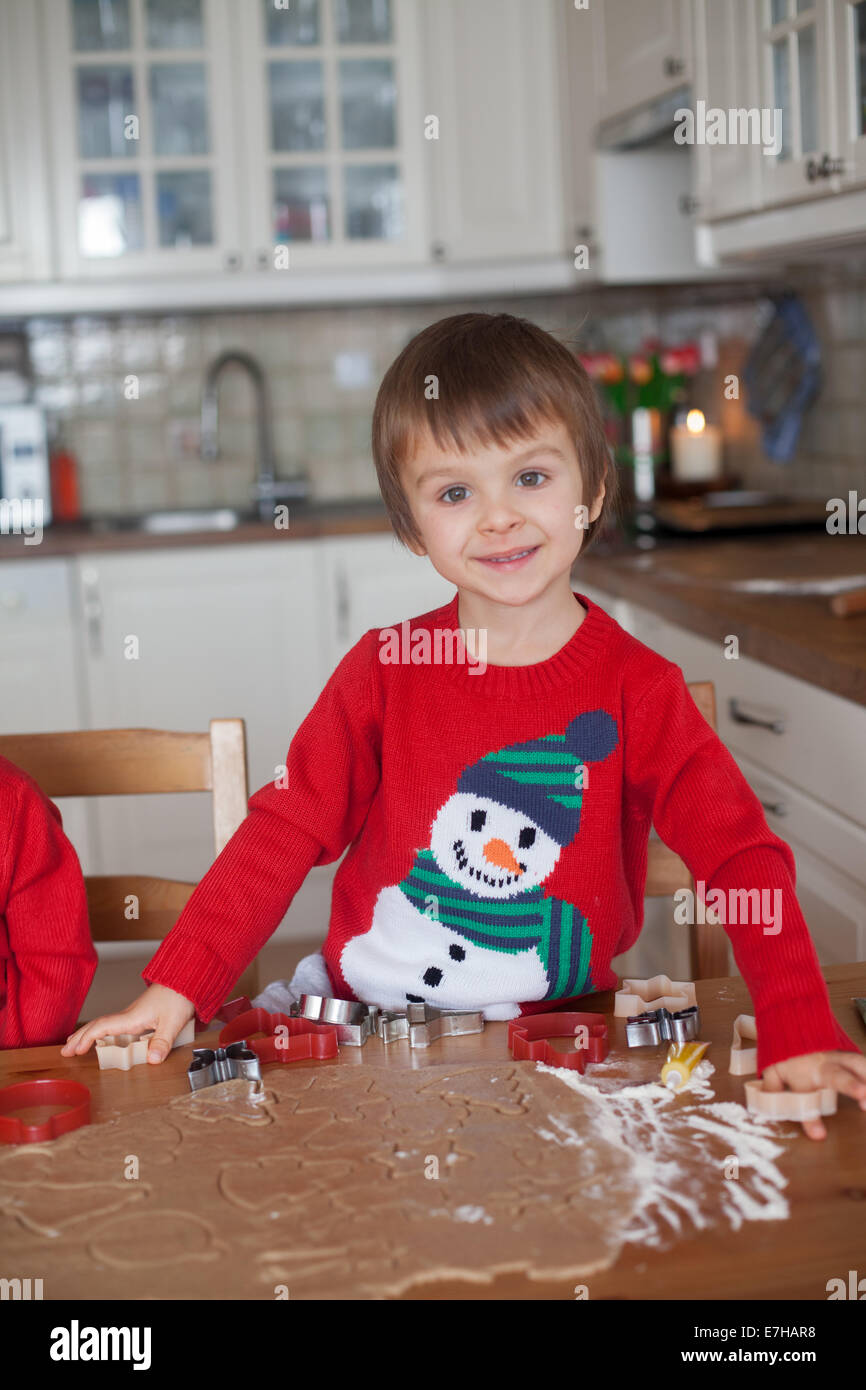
pixel 824 1237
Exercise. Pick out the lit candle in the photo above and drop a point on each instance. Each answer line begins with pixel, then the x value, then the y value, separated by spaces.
pixel 696 449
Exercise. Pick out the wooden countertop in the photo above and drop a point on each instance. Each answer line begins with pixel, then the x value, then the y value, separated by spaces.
pixel 762 1260
pixel 687 582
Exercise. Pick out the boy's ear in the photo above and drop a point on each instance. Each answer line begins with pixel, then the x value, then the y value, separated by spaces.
pixel 597 504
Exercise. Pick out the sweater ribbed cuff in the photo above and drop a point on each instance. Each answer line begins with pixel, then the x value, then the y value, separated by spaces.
pixel 184 957
pixel 796 1027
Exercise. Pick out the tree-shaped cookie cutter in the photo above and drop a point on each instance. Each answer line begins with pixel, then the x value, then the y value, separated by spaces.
pixel 529 1039
pixel 789 1105
pixel 659 992
pixel 121 1051
pixel 744 1060
pixel 423 1024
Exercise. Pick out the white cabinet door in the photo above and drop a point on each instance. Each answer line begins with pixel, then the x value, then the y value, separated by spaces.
pixel 372 581
pixel 176 637
pixel 728 174
pixel 850 22
pixel 334 149
pixel 642 51
pixel 40 675
pixel 25 244
pixel 140 95
pixel 490 86
pixel 795 47
pixel 578 117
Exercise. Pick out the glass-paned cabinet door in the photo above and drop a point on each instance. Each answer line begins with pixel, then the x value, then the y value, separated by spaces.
pixel 850 17
pixel 335 131
pixel 143 135
pixel 795 51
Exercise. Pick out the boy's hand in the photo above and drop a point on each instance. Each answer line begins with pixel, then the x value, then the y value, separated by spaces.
pixel 843 1071
pixel 159 1008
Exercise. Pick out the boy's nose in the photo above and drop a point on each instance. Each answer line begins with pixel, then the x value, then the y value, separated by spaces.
pixel 499 853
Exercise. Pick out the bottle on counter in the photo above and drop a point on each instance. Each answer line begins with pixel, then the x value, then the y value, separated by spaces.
pixel 65 496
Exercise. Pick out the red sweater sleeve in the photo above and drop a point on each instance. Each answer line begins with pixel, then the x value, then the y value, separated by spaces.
pixel 704 809
pixel 305 818
pixel 51 959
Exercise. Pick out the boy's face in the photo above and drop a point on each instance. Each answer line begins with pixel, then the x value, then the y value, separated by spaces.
pixel 472 508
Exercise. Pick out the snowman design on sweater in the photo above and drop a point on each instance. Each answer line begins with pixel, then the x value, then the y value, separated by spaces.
pixel 470 926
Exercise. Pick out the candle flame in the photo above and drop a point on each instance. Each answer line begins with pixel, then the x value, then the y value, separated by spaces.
pixel 695 421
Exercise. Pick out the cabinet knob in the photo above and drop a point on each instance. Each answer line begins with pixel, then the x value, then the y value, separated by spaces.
pixel 776 808
pixel 232 260
pixel 673 67
pixel 438 251
pixel 688 204
pixel 263 259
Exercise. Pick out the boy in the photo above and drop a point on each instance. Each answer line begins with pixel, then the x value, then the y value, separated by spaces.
pixel 47 958
pixel 498 814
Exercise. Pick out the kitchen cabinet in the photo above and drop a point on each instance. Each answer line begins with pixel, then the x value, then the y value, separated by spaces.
pixel 41 679
pixel 850 66
pixel 372 581
pixel 496 187
pixel 329 95
pixel 578 117
pixel 727 175
pixel 25 245
pixel 801 750
pixel 642 51
pixel 175 637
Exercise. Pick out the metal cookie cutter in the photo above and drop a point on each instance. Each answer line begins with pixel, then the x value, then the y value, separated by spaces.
pixel 210 1066
pixel 354 1022
pixel 424 1024
pixel 660 1025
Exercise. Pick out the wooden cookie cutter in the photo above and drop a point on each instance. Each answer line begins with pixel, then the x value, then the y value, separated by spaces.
pixel 286 1039
pixel 528 1039
pixel 744 1060
pixel 789 1105
pixel 639 996
pixel 120 1051
pixel 424 1024
pixel 660 1025
pixel 212 1065
pixel 354 1022
pixel 73 1110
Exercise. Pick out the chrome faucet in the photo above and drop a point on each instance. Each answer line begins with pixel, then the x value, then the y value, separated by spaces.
pixel 266 488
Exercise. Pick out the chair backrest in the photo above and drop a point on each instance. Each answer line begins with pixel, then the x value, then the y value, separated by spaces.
pixel 123 762
pixel 666 874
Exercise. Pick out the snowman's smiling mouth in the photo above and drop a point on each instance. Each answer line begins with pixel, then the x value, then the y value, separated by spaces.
pixel 463 864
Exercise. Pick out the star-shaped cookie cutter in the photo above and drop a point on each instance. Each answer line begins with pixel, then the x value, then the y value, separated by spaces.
pixel 423 1024
pixel 122 1051
pixel 528 1039
pixel 660 1025
pixel 658 992
pixel 212 1065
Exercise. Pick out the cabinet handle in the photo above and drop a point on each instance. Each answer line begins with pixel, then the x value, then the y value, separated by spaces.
pixel 776 808
pixel 92 610
pixel 342 606
pixel 740 716
pixel 824 168
pixel 688 204
pixel 673 67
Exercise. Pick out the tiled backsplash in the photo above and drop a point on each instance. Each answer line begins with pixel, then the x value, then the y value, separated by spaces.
pixel 126 391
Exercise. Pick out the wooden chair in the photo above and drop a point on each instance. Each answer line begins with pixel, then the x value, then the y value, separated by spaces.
pixel 666 874
pixel 119 762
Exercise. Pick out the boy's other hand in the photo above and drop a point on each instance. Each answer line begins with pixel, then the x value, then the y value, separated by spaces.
pixel 843 1071
pixel 159 1008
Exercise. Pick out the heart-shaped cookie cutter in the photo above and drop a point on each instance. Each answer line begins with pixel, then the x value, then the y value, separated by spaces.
pixel 286 1039
pixel 71 1095
pixel 529 1039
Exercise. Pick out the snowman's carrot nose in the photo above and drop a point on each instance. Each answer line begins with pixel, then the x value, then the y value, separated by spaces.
pixel 499 853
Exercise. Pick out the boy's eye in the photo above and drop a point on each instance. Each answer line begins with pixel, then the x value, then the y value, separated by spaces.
pixel 446 496
pixel 531 473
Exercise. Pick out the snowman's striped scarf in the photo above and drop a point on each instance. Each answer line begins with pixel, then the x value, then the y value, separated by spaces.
pixel 529 919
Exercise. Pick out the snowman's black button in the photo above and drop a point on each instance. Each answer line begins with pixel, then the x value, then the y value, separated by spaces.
pixel 456 953
pixel 432 977
pixel 414 998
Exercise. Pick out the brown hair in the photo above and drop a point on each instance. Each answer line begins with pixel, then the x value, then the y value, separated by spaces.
pixel 498 378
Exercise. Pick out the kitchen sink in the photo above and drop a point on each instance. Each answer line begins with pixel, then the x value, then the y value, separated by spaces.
pixel 173 523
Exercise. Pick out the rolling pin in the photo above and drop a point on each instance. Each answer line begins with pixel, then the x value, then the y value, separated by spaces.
pixel 847 605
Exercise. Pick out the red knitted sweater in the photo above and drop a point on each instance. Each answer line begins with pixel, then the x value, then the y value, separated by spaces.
pixel 47 958
pixel 498 824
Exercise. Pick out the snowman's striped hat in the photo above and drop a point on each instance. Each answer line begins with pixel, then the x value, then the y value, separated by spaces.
pixel 539 778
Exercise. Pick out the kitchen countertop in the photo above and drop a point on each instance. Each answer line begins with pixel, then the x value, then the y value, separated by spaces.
pixel 684 580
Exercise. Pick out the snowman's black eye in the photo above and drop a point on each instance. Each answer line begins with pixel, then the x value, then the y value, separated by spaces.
pixel 477 820
pixel 527 837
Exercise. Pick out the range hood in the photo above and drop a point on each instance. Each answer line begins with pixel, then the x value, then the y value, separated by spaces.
pixel 652 124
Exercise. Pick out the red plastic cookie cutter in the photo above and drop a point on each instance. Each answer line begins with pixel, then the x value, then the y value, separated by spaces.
pixel 303 1040
pixel 528 1039
pixel 226 1012
pixel 71 1098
